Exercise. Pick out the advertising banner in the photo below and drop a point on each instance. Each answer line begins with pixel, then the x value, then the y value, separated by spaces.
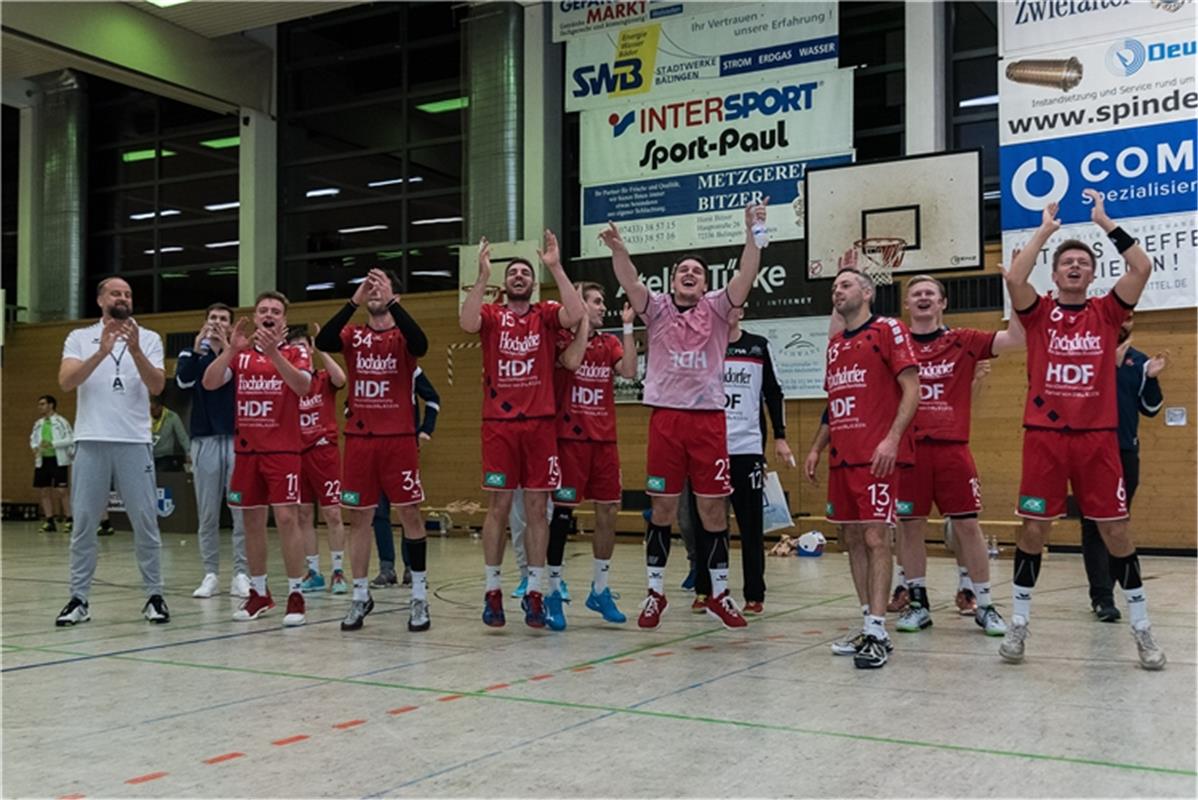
pixel 697 211
pixel 582 17
pixel 719 122
pixel 680 53
pixel 799 345
pixel 1028 25
pixel 1122 82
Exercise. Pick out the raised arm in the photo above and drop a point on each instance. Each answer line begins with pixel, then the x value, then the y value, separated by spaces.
pixel 1023 294
pixel 1131 285
pixel 336 373
pixel 980 373
pixel 74 371
pixel 1013 338
pixel 571 357
pixel 470 318
pixel 628 362
pixel 297 380
pixel 886 453
pixel 625 270
pixel 152 375
pixel 572 309
pixel 750 257
pixel 218 374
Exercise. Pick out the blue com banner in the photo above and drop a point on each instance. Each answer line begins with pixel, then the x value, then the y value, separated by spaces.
pixel 1142 172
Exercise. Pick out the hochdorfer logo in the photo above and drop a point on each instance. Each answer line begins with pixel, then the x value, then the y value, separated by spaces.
pixel 369 362
pixel 259 383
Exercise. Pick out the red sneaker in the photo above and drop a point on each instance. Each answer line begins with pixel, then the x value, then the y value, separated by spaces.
pixel 493 609
pixel 534 609
pixel 653 606
pixel 899 600
pixel 255 606
pixel 295 610
pixel 754 607
pixel 699 604
pixel 967 603
pixel 724 609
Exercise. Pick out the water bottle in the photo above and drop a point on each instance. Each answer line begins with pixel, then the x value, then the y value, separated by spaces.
pixel 992 547
pixel 761 236
pixel 205 345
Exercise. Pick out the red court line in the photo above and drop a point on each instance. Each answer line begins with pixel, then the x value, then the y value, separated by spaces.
pixel 540 677
pixel 582 669
pixel 623 661
pixel 497 687
pixel 153 776
pixel 72 797
pixel 290 740
pixel 223 757
pixel 704 647
pixel 776 637
pixel 401 710
pixel 663 653
pixel 817 633
pixel 449 697
pixel 353 723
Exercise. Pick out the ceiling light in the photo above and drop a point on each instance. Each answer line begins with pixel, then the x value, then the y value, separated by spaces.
pixel 130 156
pixel 214 245
pixel 166 3
pixel 355 281
pixel 316 287
pixel 973 102
pixel 223 206
pixel 388 255
pixel 441 106
pixel 991 195
pixel 437 273
pixel 167 275
pixel 170 249
pixel 222 143
pixel 393 181
pixel 436 221
pixel 227 269
pixel 166 212
pixel 362 229
pixel 327 192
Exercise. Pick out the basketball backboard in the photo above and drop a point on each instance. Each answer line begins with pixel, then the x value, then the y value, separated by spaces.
pixel 932 201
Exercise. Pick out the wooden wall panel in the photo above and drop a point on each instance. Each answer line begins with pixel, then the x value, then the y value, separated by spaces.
pixel 1165 507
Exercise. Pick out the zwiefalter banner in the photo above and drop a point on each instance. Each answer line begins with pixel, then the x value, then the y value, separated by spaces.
pixel 1028 25
pixel 680 53
pixel 719 122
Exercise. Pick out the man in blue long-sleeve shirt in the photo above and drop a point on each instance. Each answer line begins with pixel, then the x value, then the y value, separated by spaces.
pixel 212 452
pixel 1138 393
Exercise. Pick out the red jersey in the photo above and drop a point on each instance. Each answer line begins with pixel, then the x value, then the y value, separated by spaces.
pixel 379 371
pixel 267 413
pixel 586 404
pixel 947 358
pixel 1071 363
pixel 318 416
pixel 519 353
pixel 863 393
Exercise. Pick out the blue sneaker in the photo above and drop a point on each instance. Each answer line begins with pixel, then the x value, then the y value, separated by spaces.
pixel 605 605
pixel 555 615
pixel 565 590
pixel 493 609
pixel 689 583
pixel 521 588
pixel 534 609
pixel 313 582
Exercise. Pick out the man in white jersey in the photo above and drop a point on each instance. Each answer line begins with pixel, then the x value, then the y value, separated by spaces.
pixel 116 365
pixel 684 384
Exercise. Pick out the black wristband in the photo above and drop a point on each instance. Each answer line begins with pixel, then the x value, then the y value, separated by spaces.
pixel 1122 240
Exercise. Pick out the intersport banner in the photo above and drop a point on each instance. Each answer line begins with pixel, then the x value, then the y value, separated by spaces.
pixel 582 17
pixel 1029 25
pixel 719 122
pixel 700 210
pixel 1148 178
pixel 678 54
pixel 1124 81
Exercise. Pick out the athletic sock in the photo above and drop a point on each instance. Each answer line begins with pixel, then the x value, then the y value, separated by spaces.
pixel 717 561
pixel 963 580
pixel 338 560
pixel 876 627
pixel 534 578
pixel 864 615
pixel 657 553
pixel 918 592
pixel 900 577
pixel 361 590
pixel 982 592
pixel 1126 570
pixel 492 575
pixel 599 574
pixel 419 585
pixel 313 562
pixel 657 579
pixel 555 579
pixel 559 532
pixel 294 584
pixel 259 584
pixel 1027 569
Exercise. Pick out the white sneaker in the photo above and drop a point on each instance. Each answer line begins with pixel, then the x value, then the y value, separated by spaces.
pixel 207 587
pixel 1152 657
pixel 240 587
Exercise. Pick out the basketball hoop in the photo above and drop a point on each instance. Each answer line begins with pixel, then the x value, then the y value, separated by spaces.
pixel 883 255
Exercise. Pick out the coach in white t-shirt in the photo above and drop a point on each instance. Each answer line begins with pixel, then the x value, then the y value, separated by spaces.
pixel 116 365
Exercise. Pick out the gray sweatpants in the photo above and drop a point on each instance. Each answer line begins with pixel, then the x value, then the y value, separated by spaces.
pixel 518 525
pixel 130 468
pixel 212 471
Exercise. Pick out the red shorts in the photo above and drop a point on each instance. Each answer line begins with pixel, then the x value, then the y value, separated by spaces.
pixel 944 472
pixel 856 496
pixel 688 444
pixel 521 453
pixel 266 479
pixel 590 470
pixel 381 465
pixel 1088 460
pixel 320 476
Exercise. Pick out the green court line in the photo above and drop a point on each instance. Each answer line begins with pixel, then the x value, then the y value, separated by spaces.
pixel 641 712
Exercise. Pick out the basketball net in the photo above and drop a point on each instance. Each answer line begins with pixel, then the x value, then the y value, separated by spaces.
pixel 881 256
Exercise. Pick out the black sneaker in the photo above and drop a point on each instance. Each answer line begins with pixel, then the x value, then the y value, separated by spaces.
pixel 105 529
pixel 48 526
pixel 73 612
pixel 384 580
pixel 1105 611
pixel 155 610
pixel 407 577
pixel 872 654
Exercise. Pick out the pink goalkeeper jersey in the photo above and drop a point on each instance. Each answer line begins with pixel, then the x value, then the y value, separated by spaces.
pixel 686 352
